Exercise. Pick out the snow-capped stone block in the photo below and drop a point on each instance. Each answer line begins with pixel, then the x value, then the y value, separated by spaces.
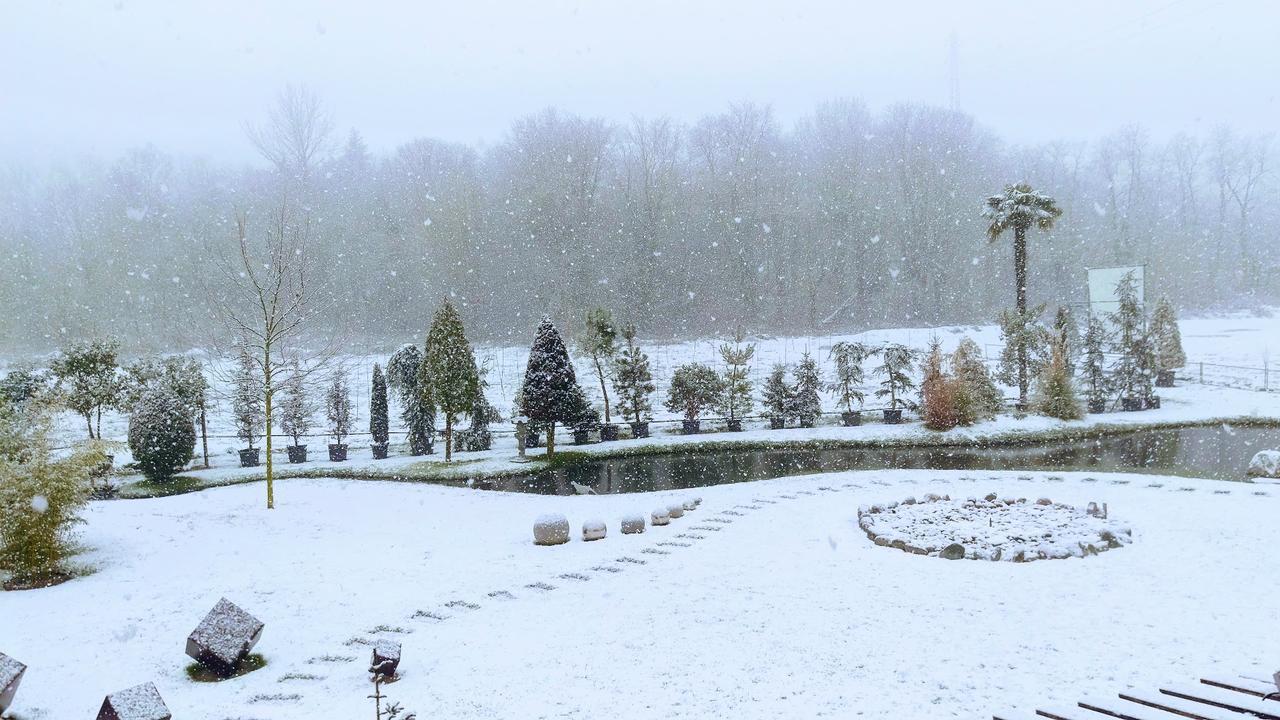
pixel 596 530
pixel 386 658
pixel 675 510
pixel 224 637
pixel 142 702
pixel 1265 464
pixel 10 677
pixel 551 529
pixel 633 525
pixel 660 517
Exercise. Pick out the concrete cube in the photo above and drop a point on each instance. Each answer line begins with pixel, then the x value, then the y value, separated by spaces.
pixel 142 702
pixel 224 637
pixel 10 677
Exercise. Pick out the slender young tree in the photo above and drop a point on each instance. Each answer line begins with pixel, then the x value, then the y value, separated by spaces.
pixel 246 399
pixel 450 377
pixel 88 380
pixel 337 403
pixel 736 399
pixel 600 343
pixel 1056 396
pixel 848 357
pixel 550 392
pixel 1097 385
pixel 1019 208
pixel 1131 370
pixel 632 379
pixel 806 403
pixel 379 423
pixel 694 388
pixel 896 362
pixel 778 393
pixel 937 391
pixel 1026 347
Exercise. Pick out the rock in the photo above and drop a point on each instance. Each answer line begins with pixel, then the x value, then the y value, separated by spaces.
pixel 909 501
pixel 632 525
pixel 223 638
pixel 137 703
pixel 1044 501
pixel 551 529
pixel 881 540
pixel 991 497
pixel 660 517
pixel 596 530
pixel 697 501
pixel 1092 510
pixel 898 544
pixel 932 497
pixel 954 551
pixel 1265 464
pixel 690 505
pixel 10 677
pixel 675 510
pixel 386 658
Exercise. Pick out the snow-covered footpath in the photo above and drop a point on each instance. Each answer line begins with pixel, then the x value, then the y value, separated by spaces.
pixel 768 601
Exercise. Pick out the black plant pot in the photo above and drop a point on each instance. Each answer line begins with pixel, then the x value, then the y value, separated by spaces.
pixel 1131 404
pixel 806 422
pixel 608 432
pixel 379 450
pixel 1151 403
pixel 337 453
pixel 581 436
pixel 892 417
pixel 691 427
pixel 1164 378
pixel 733 425
pixel 1097 406
pixel 250 457
pixel 777 423
pixel 851 419
pixel 297 453
pixel 640 429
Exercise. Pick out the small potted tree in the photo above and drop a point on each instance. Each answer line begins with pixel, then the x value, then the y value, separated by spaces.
pixel 379 423
pixel 1168 343
pixel 895 362
pixel 1096 384
pixel 735 401
pixel 586 422
pixel 247 406
pixel 777 397
pixel 633 383
pixel 848 357
pixel 806 403
pixel 694 388
pixel 599 342
pixel 296 410
pixel 338 409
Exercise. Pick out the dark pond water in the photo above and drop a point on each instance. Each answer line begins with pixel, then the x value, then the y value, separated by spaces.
pixel 1218 452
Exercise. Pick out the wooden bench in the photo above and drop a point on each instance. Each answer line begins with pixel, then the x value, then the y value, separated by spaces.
pixel 1251 696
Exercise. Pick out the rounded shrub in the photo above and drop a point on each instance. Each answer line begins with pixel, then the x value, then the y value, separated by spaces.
pixel 162 434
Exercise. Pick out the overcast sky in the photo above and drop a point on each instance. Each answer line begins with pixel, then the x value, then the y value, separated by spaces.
pixel 100 76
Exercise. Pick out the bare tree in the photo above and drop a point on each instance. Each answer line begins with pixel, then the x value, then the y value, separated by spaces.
pixel 296 134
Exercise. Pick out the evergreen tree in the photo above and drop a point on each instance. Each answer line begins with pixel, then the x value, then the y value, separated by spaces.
pixel 1067 332
pixel 777 393
pixel 1056 397
pixel 186 380
pixel 88 380
pixel 296 407
pixel 379 423
pixel 551 392
pixel 937 392
pixel 20 386
pixel 694 388
pixel 1166 337
pixel 600 343
pixel 896 361
pixel 477 436
pixel 450 378
pixel 632 379
pixel 337 403
pixel 162 434
pixel 806 403
pixel 977 396
pixel 736 400
pixel 1131 372
pixel 404 372
pixel 246 398
pixel 1097 385
pixel 1026 348
pixel 848 357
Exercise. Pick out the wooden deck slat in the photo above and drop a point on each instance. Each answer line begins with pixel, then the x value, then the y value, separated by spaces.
pixel 1183 708
pixel 1226 699
pixel 1242 684
pixel 1126 710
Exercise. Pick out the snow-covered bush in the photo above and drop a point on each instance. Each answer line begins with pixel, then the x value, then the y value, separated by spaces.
pixel 162 434
pixel 600 343
pixel 21 386
pixel 1133 372
pixel 977 397
pixel 1055 394
pixel 1025 348
pixel 938 392
pixel 1097 384
pixel 694 388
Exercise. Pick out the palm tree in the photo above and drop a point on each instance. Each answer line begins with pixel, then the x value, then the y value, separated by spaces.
pixel 1019 207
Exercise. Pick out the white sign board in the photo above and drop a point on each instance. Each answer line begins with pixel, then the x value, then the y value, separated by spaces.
pixel 1102 287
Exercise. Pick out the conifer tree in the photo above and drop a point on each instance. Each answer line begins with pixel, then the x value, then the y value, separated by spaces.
pixel 379 423
pixel 1056 397
pixel 977 396
pixel 848 357
pixel 694 388
pixel 1167 339
pixel 937 392
pixel 450 378
pixel 162 435
pixel 777 393
pixel 736 399
pixel 632 379
pixel 1131 371
pixel 896 361
pixel 404 371
pixel 1025 351
pixel 1097 385
pixel 337 404
pixel 296 406
pixel 551 393
pixel 246 399
pixel 806 403
pixel 600 343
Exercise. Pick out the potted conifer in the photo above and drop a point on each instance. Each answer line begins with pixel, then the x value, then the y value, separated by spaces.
pixel 895 362
pixel 633 383
pixel 806 404
pixel 694 388
pixel 599 342
pixel 1168 343
pixel 247 406
pixel 379 430
pixel 338 410
pixel 296 410
pixel 1096 382
pixel 735 400
pixel 777 397
pixel 848 357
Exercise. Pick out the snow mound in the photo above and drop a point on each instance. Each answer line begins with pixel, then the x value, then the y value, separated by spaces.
pixel 992 528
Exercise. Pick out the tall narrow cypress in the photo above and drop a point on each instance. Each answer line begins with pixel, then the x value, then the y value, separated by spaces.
pixel 378 421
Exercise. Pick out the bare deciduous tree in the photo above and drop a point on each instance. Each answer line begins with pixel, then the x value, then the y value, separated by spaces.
pixel 296 134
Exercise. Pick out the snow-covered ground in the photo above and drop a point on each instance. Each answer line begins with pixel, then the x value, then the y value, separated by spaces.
pixel 767 601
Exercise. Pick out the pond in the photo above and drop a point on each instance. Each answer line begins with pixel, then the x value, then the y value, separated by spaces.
pixel 1219 452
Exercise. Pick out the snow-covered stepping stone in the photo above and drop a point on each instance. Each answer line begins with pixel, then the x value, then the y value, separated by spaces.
pixel 710 528
pixel 275 697
pixel 692 536
pixel 429 615
pixel 224 638
pixel 593 530
pixel 305 677
pixel 634 561
pixel 655 551
pixel 330 659
pixel 541 586
pixel 358 640
pixel 1155 485
pixel 787 497
pixel 672 543
pixel 386 658
pixel 574 576
pixel 660 517
pixel 690 506
pixel 735 513
pixel 502 595
pixel 675 510
pixel 462 604
pixel 141 702
pixel 607 568
pixel 633 525
pixel 551 529
pixel 10 677
pixel 762 500
pixel 722 521
pixel 395 629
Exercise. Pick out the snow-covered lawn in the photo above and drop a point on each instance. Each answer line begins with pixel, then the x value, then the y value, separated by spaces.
pixel 768 601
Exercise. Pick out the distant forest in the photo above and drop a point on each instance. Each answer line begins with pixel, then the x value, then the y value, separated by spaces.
pixel 847 220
